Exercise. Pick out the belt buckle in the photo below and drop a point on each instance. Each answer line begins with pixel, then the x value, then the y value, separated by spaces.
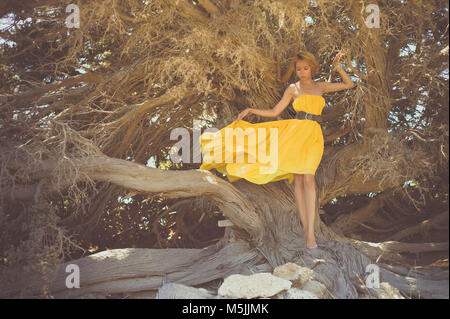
pixel 306 116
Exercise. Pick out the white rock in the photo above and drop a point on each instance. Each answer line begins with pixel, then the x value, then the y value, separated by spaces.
pixel 252 286
pixel 296 293
pixel 179 291
pixel 386 291
pixel 315 287
pixel 298 275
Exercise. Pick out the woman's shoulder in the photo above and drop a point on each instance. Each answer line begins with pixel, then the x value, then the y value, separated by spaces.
pixel 291 89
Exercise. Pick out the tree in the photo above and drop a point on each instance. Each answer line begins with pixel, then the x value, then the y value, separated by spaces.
pixel 84 109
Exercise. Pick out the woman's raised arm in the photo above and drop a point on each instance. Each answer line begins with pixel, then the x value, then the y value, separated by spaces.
pixel 334 87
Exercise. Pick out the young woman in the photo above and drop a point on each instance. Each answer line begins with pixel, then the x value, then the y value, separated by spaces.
pixel 300 140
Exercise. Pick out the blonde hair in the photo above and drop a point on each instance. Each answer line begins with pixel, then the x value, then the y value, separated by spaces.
pixel 310 59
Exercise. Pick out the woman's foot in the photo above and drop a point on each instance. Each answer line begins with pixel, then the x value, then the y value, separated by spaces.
pixel 311 243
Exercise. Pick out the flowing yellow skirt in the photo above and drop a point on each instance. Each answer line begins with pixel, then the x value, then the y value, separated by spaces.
pixel 264 152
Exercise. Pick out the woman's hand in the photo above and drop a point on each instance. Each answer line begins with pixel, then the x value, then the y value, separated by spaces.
pixel 243 113
pixel 338 58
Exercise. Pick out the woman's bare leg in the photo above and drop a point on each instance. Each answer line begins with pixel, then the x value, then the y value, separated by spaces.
pixel 299 193
pixel 310 194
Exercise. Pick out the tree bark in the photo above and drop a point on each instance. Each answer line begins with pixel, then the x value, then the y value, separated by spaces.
pixel 267 232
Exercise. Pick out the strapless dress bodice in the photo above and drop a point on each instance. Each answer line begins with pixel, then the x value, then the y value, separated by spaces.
pixel 309 103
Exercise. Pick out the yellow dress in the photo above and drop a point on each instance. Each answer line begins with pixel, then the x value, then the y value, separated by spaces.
pixel 298 146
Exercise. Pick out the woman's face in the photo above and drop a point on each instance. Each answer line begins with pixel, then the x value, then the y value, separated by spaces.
pixel 303 70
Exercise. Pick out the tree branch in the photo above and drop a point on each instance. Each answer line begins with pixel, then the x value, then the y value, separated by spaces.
pixel 422 226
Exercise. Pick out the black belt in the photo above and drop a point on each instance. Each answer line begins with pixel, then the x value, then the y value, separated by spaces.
pixel 302 115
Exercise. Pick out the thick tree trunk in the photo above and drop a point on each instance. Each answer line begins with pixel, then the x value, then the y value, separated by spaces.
pixel 267 233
